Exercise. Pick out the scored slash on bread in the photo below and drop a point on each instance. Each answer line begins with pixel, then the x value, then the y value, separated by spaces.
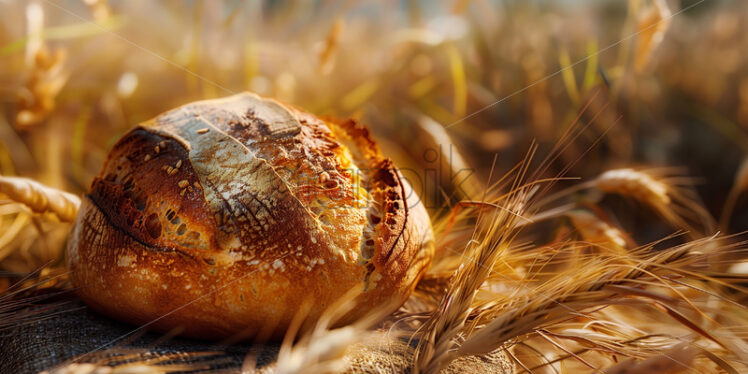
pixel 223 217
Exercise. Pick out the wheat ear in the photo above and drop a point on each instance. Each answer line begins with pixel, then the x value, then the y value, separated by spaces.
pixel 634 183
pixel 494 231
pixel 669 196
pixel 40 198
pixel 601 282
pixel 595 230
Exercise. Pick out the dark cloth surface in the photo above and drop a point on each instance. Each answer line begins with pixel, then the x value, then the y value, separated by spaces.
pixel 71 329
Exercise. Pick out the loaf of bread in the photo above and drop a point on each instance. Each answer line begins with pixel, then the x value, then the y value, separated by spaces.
pixel 222 218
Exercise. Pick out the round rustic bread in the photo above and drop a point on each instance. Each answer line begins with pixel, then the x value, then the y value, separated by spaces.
pixel 222 218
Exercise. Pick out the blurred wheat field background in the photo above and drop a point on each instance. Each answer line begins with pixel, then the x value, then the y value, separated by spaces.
pixel 635 263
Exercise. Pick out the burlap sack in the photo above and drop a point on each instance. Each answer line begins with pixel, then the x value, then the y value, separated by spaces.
pixel 71 329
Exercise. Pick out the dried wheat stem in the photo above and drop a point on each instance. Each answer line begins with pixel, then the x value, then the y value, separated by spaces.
pixel 40 198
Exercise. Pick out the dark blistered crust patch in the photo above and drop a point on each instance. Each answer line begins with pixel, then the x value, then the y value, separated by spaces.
pixel 394 208
pixel 149 190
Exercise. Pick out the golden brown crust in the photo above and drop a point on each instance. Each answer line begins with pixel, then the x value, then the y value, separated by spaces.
pixel 223 217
